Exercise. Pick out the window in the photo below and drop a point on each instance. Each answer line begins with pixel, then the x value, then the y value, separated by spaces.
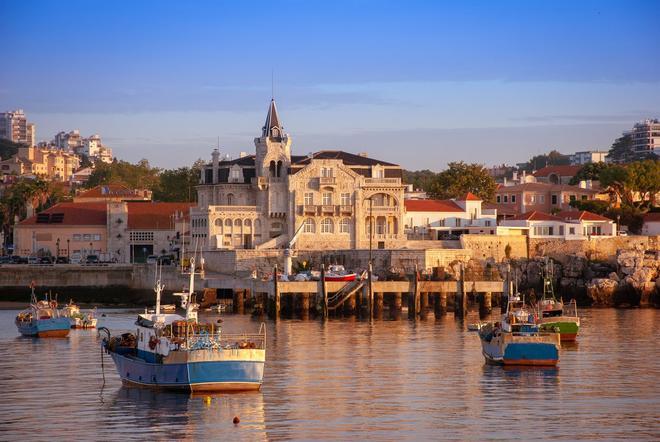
pixel 543 231
pixel 230 199
pixel 506 198
pixel 344 226
pixel 572 198
pixel 498 199
pixel 97 237
pixel 310 226
pixel 326 226
pixel 87 237
pixel 584 197
pixel 571 230
pixel 553 199
pixel 441 223
pixel 345 199
pixel 327 198
pixel 142 236
pixel 326 171
pixel 513 198
pixel 235 174
pixel 542 199
pixel 561 230
pixel 309 198
pixel 487 223
pixel 77 237
pixel 458 222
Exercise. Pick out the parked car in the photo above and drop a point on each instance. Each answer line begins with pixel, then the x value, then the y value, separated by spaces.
pixel 62 260
pixel 152 259
pixel 46 260
pixel 165 260
pixel 33 260
pixel 92 259
pixel 76 258
pixel 15 259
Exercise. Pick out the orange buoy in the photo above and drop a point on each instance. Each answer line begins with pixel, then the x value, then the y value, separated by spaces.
pixel 236 420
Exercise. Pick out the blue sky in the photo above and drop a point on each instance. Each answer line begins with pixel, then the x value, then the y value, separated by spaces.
pixel 420 83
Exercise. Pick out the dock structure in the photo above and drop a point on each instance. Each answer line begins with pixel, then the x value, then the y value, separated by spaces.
pixel 362 297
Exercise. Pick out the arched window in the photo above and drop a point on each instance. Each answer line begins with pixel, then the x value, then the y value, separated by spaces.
pixel 327 226
pixel 247 223
pixel 271 168
pixel 279 168
pixel 230 199
pixel 238 223
pixel 345 226
pixel 310 226
pixel 218 222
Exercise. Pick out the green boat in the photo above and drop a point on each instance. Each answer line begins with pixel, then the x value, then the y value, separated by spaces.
pixel 553 314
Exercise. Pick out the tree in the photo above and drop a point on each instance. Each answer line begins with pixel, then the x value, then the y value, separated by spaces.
pixel 461 178
pixel 621 150
pixel 615 178
pixel 553 158
pixel 634 183
pixel 595 206
pixel 179 184
pixel 589 171
pixel 134 176
pixel 420 179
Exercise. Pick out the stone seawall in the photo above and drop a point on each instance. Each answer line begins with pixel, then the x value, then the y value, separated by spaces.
pixel 495 247
pixel 595 249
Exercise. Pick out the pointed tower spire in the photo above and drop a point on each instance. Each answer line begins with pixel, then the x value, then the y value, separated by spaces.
pixel 272 128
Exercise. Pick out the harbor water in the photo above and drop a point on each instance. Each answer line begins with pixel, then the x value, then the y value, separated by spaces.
pixel 347 380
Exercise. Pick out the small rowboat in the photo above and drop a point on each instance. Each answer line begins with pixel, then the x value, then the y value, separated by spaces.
pixel 339 273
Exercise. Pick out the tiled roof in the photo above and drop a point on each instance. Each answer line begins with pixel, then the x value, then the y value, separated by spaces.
pixel 247 160
pixel 154 216
pixel 581 215
pixel 536 216
pixel 350 159
pixel 469 197
pixel 71 214
pixel 652 217
pixel 558 170
pixel 432 206
pixel 544 187
pixel 110 190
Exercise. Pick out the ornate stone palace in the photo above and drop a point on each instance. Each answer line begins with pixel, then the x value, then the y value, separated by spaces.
pixel 330 198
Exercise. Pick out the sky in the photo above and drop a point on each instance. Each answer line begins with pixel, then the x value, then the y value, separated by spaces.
pixel 418 83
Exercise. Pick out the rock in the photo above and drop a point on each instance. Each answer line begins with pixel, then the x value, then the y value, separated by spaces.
pixel 601 291
pixel 614 277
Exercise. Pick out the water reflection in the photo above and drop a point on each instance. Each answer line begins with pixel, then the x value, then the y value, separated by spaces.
pixel 348 379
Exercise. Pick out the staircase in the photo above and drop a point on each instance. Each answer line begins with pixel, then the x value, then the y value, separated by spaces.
pixel 336 300
pixel 274 243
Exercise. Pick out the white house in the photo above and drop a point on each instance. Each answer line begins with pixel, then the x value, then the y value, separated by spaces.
pixel 651 224
pixel 567 225
pixel 440 219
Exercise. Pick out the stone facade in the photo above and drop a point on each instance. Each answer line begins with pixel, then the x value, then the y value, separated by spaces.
pixel 327 200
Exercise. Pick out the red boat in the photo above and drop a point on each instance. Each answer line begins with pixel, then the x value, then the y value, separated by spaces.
pixel 338 273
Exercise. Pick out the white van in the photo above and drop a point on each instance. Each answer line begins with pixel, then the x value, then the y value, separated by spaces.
pixel 76 258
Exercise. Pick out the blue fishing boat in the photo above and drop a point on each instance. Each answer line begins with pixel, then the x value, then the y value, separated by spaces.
pixel 178 352
pixel 516 340
pixel 42 319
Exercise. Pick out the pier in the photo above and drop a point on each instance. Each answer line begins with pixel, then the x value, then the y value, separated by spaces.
pixel 364 298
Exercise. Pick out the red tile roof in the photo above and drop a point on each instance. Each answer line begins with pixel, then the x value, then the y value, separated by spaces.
pixel 469 197
pixel 652 217
pixel 559 170
pixel 70 214
pixel 581 216
pixel 536 216
pixel 110 190
pixel 154 216
pixel 432 206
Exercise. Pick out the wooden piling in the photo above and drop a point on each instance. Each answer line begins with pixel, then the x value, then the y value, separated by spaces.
pixel 378 305
pixel 324 294
pixel 395 309
pixel 485 304
pixel 239 301
pixel 371 291
pixel 276 295
pixel 423 304
pixel 460 304
pixel 304 305
pixel 440 306
pixel 413 297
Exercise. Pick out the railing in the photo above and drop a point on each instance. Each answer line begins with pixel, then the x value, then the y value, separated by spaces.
pixel 381 181
pixel 382 208
pixel 346 209
pixel 224 341
pixel 233 208
pixel 328 209
pixel 309 208
pixel 327 180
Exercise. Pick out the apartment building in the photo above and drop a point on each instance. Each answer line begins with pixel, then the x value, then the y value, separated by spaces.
pixel 587 157
pixel 570 224
pixel 646 136
pixel 48 163
pixel 540 197
pixel 15 127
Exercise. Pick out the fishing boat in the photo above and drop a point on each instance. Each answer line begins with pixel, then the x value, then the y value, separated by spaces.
pixel 42 319
pixel 517 340
pixel 178 352
pixel 339 273
pixel 553 314
pixel 78 319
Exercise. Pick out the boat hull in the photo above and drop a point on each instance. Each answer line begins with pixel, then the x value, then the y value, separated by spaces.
pixel 44 328
pixel 507 349
pixel 568 328
pixel 341 278
pixel 216 375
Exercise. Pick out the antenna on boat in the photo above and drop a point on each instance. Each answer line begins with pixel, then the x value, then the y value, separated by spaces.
pixel 158 288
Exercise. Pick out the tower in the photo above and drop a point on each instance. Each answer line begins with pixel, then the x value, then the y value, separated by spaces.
pixel 273 147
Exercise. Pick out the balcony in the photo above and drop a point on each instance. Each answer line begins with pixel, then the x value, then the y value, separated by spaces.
pixel 328 210
pixel 346 210
pixel 327 181
pixel 381 209
pixel 309 209
pixel 390 182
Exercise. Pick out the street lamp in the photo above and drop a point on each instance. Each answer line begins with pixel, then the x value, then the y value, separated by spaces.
pixel 57 243
pixel 371 227
pixel 68 249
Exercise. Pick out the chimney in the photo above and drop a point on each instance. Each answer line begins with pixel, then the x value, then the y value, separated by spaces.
pixel 364 154
pixel 215 156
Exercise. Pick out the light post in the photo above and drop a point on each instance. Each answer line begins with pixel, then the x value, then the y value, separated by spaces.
pixel 371 228
pixel 68 249
pixel 57 244
pixel 90 249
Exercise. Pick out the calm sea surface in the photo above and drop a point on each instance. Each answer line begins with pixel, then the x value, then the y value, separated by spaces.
pixel 348 380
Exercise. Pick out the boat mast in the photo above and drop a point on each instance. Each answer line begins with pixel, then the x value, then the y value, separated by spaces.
pixel 158 288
